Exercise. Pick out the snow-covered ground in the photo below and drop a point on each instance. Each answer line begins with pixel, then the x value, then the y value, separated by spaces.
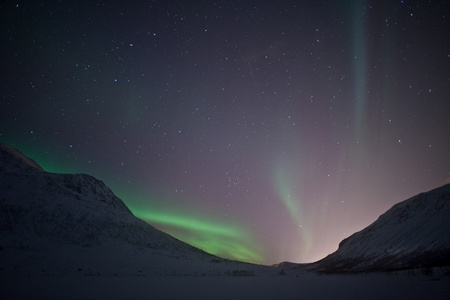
pixel 130 272
pixel 301 286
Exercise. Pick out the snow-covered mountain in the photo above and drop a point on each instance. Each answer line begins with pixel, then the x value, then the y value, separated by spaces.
pixel 414 233
pixel 77 209
pixel 63 223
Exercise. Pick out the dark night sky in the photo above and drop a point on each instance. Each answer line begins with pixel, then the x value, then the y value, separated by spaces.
pixel 258 130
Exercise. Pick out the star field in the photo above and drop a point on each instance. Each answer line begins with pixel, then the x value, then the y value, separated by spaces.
pixel 263 131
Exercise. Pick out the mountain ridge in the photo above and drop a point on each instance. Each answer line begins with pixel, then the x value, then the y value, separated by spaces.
pixel 412 234
pixel 74 209
pixel 12 158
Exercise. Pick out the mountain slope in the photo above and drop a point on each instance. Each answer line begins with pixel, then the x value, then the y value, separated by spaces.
pixel 59 224
pixel 74 209
pixel 414 233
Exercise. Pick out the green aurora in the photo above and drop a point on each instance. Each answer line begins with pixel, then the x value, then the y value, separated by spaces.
pixel 212 237
pixel 292 201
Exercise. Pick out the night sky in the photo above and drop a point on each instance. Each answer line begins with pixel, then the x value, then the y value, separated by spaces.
pixel 262 131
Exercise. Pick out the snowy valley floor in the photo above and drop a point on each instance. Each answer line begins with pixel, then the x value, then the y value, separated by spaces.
pixel 131 273
pixel 301 286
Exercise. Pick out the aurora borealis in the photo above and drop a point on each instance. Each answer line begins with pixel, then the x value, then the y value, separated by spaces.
pixel 263 131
